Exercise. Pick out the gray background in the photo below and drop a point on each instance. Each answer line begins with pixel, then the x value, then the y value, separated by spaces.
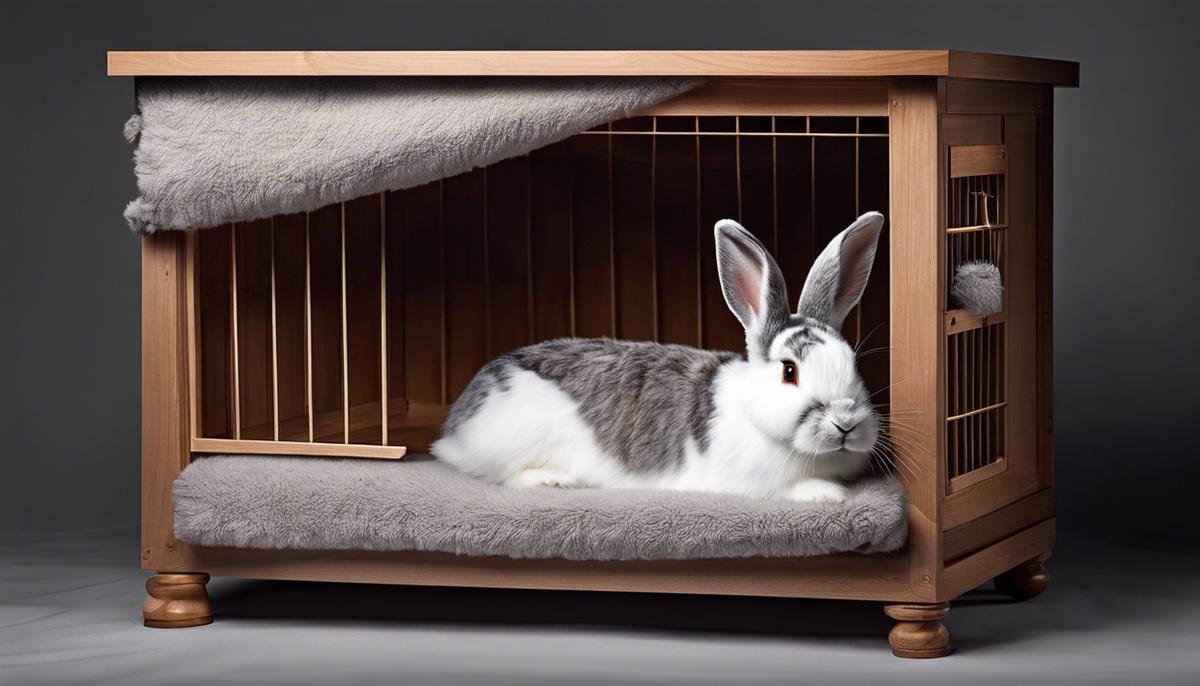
pixel 1125 362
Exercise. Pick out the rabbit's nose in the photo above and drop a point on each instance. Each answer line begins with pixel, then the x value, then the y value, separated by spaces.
pixel 844 429
pixel 843 406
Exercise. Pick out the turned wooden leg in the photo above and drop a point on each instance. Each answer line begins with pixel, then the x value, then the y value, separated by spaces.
pixel 1026 580
pixel 919 631
pixel 174 601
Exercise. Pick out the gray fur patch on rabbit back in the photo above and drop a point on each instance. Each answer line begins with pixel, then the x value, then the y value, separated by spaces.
pixel 642 400
pixel 977 288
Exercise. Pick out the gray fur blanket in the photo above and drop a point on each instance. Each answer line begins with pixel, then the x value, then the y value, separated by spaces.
pixel 216 150
pixel 420 504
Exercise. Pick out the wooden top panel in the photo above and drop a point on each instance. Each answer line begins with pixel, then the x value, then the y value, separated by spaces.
pixel 793 63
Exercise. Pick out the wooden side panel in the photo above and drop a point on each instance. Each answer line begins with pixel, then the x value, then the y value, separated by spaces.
pixel 1018 473
pixel 364 353
pixel 980 533
pixel 633 231
pixel 550 198
pixel 509 315
pixel 252 242
pixel 592 224
pixel 794 205
pixel 466 278
pixel 917 171
pixel 325 249
pixel 421 254
pixel 874 335
pixel 675 232
pixel 1045 280
pixel 718 200
pixel 980 567
pixel 291 361
pixel 214 330
pixel 965 96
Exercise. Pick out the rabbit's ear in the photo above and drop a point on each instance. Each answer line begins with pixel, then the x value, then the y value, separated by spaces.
pixel 837 279
pixel 752 284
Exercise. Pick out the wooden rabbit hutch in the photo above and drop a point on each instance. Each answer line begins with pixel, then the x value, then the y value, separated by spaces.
pixel 348 330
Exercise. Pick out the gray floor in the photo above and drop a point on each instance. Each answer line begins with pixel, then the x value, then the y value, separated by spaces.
pixel 69 613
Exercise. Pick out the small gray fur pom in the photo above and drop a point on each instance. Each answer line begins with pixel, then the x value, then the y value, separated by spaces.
pixel 133 127
pixel 977 288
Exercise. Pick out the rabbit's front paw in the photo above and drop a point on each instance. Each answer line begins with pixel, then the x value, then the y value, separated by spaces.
pixel 818 491
pixel 553 478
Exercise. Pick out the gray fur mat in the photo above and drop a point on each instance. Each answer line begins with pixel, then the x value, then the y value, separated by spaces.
pixel 216 150
pixel 420 504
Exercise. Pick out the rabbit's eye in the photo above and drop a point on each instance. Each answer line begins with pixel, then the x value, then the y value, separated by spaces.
pixel 789 372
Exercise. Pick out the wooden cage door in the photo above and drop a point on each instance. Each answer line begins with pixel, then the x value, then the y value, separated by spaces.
pixel 992 363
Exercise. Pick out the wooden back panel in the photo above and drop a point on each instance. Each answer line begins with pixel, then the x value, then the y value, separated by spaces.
pixel 353 328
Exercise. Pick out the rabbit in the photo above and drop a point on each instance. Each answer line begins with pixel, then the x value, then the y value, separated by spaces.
pixel 792 419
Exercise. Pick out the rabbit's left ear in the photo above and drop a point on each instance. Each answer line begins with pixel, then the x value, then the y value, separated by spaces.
pixel 838 277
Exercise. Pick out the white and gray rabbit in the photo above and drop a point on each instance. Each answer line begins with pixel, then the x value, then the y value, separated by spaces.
pixel 792 419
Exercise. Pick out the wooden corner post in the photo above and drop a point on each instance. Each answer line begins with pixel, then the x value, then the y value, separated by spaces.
pixel 916 169
pixel 164 392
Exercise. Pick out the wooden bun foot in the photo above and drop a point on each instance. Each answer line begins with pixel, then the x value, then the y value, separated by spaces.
pixel 919 632
pixel 1026 580
pixel 175 601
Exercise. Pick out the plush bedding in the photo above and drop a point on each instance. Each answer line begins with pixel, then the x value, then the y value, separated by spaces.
pixel 216 150
pixel 420 504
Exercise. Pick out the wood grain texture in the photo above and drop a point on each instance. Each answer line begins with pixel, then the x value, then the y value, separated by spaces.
pixel 165 406
pixel 917 305
pixel 979 567
pixel 730 96
pixel 980 533
pixel 919 632
pixel 1026 581
pixel 977 160
pixel 176 601
pixel 1020 475
pixel 1045 297
pixel 849 576
pixel 964 96
pixel 224 446
pixel 823 63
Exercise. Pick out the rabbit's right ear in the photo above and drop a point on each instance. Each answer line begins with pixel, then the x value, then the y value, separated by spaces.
pixel 752 284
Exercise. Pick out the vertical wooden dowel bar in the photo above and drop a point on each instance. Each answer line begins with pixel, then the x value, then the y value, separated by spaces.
pixel 274 342
pixel 487 269
pixel 654 305
pixel 443 285
pixel 612 246
pixel 383 322
pixel 857 212
pixel 529 295
pixel 308 324
pixel 233 327
pixel 774 188
pixel 700 239
pixel 345 327
pixel 192 313
pixel 737 142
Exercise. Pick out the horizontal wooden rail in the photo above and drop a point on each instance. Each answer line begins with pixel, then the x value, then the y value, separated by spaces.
pixel 227 446
pixel 972 413
pixel 975 228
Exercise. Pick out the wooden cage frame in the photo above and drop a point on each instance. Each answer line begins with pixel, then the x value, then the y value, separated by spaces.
pixel 951 115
